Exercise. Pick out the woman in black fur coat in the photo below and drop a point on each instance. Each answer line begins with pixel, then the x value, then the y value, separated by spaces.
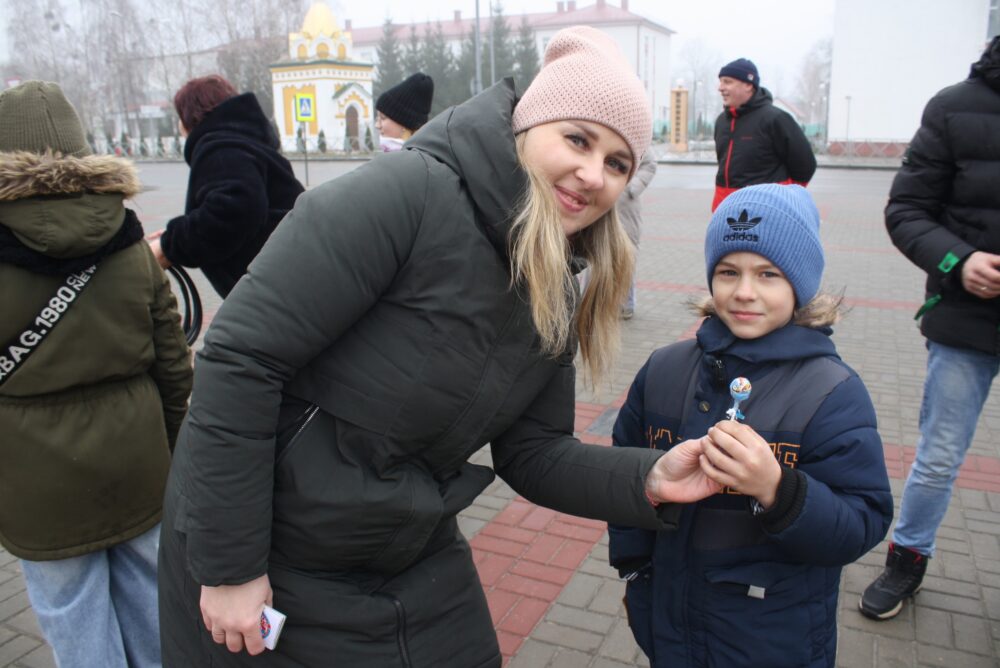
pixel 240 186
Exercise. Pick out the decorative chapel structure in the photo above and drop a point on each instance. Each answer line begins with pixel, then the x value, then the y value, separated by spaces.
pixel 319 79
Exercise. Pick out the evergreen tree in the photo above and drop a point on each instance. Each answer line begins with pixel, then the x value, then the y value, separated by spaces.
pixel 465 70
pixel 439 65
pixel 390 57
pixel 503 48
pixel 413 57
pixel 321 142
pixel 525 56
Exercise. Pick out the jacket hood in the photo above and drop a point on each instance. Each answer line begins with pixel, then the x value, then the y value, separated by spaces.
pixel 988 66
pixel 64 207
pixel 240 118
pixel 476 140
pixel 24 175
pixel 791 342
pixel 761 98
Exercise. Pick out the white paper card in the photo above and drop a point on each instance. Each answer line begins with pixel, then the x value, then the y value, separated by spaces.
pixel 271 622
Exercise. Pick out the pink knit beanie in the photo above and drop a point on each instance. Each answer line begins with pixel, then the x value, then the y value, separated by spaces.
pixel 586 77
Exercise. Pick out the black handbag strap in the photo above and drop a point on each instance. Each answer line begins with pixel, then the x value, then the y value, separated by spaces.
pixel 16 351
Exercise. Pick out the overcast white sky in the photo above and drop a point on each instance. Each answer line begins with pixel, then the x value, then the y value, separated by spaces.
pixel 757 30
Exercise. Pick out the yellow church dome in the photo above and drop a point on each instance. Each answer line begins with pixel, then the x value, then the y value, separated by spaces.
pixel 319 21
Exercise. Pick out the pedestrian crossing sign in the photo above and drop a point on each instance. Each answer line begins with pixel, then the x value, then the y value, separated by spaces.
pixel 305 107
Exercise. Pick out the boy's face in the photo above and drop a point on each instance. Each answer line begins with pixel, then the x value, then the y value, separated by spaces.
pixel 751 295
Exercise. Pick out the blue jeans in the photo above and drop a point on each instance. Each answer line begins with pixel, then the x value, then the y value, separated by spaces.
pixel 100 609
pixel 630 300
pixel 958 382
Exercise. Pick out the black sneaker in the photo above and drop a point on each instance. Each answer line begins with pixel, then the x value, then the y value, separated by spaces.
pixel 902 577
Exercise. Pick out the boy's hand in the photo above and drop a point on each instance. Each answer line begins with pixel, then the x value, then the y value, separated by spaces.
pixel 677 476
pixel 738 457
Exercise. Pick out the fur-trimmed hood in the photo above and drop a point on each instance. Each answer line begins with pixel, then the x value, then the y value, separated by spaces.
pixel 24 175
pixel 64 207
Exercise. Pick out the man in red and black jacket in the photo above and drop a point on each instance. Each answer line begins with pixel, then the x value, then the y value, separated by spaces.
pixel 755 141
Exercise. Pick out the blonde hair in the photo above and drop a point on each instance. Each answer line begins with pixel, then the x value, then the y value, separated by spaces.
pixel 823 310
pixel 540 260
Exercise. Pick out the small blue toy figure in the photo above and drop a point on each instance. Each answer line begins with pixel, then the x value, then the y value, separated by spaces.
pixel 739 389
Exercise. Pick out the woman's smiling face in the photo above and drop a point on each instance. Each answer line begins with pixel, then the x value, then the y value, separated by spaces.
pixel 587 165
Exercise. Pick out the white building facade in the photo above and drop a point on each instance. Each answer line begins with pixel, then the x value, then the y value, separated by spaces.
pixel 645 43
pixel 889 58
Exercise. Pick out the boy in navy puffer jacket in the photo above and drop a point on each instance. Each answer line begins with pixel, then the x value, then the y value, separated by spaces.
pixel 751 576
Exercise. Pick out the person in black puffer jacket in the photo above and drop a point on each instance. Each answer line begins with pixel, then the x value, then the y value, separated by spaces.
pixel 240 186
pixel 944 215
pixel 755 142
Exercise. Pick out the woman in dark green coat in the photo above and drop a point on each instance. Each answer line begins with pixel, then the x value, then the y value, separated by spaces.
pixel 94 379
pixel 402 317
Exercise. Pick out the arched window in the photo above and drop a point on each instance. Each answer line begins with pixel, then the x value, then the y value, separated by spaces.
pixel 341 52
pixel 302 53
pixel 322 50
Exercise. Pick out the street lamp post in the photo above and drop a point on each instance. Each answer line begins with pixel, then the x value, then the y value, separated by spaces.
pixel 847 133
pixel 123 74
pixel 825 88
pixel 697 112
pixel 694 107
pixel 493 69
pixel 477 79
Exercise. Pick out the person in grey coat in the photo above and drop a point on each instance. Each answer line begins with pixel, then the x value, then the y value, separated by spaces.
pixel 400 318
pixel 630 213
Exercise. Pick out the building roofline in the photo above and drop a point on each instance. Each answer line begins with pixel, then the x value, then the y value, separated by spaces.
pixel 598 14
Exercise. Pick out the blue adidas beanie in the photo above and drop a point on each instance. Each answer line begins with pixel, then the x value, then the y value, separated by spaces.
pixel 743 70
pixel 778 222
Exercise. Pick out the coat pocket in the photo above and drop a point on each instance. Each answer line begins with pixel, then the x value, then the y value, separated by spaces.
pixel 338 622
pixel 762 604
pixel 334 511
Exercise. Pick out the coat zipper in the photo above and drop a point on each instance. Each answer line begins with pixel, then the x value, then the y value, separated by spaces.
pixel 404 653
pixel 729 152
pixel 309 414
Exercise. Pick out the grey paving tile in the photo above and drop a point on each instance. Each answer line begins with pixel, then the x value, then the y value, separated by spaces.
pixel 959 604
pixel 14 605
pixel 934 627
pixel 619 644
pixel 928 655
pixel 26 623
pixel 580 619
pixel 533 654
pixel 609 597
pixel 16 648
pixel 570 659
pixel 855 648
pixel 41 657
pixel 565 636
pixel 893 653
pixel 972 634
pixel 580 590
